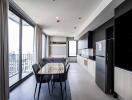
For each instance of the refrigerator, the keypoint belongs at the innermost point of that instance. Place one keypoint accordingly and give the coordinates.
(104, 65)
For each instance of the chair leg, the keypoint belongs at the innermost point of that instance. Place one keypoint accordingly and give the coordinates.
(65, 85)
(52, 86)
(65, 89)
(39, 90)
(61, 90)
(49, 87)
(35, 90)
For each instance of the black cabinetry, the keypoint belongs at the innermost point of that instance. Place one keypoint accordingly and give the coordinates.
(86, 41)
(90, 39)
(123, 41)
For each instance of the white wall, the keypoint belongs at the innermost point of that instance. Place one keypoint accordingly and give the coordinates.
(57, 50)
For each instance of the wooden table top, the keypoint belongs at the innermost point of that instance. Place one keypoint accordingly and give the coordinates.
(52, 68)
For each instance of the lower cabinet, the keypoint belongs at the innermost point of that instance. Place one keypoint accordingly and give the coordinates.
(91, 67)
(123, 83)
(87, 64)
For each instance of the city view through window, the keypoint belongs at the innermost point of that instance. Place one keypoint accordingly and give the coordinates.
(21, 44)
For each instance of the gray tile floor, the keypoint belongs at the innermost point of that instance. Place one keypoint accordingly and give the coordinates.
(26, 91)
(83, 86)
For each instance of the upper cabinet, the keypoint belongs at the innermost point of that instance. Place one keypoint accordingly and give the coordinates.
(90, 39)
(85, 41)
(123, 35)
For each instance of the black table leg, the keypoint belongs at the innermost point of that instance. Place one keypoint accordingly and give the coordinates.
(61, 90)
(39, 87)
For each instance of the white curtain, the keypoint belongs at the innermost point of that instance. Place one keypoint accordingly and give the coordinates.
(4, 80)
(38, 44)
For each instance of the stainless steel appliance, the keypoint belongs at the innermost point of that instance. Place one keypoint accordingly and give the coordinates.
(104, 66)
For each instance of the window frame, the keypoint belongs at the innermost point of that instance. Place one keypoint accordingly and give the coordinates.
(22, 17)
(13, 8)
(69, 50)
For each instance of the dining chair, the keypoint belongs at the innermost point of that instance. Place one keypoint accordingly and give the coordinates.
(61, 77)
(42, 63)
(66, 62)
(40, 78)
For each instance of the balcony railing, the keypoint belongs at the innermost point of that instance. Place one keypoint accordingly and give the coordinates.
(27, 62)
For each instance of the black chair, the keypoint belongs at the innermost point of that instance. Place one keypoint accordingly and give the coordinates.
(40, 78)
(66, 62)
(61, 77)
(42, 63)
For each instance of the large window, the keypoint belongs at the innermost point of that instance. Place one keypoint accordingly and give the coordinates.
(43, 46)
(13, 39)
(27, 48)
(21, 52)
(72, 48)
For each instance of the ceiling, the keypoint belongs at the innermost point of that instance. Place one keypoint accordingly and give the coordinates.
(46, 12)
(102, 17)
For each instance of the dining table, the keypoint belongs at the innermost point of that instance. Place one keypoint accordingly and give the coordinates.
(52, 69)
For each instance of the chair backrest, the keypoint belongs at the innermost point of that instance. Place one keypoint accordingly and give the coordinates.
(66, 62)
(42, 63)
(67, 70)
(36, 68)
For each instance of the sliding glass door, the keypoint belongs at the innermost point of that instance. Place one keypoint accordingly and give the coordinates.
(21, 48)
(27, 48)
(14, 27)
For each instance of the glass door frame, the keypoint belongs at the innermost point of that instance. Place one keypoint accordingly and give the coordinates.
(20, 48)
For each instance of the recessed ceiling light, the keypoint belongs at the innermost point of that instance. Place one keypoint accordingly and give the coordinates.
(79, 18)
(75, 27)
(58, 19)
